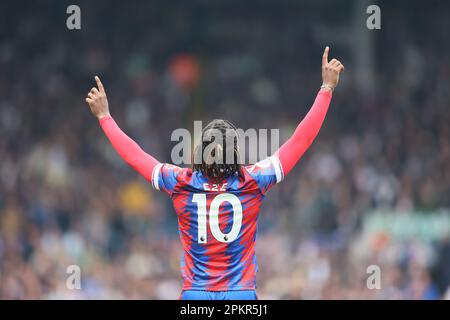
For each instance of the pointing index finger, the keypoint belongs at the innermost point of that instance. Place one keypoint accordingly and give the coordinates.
(325, 55)
(99, 84)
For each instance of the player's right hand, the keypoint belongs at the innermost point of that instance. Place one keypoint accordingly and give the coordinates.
(97, 100)
(330, 70)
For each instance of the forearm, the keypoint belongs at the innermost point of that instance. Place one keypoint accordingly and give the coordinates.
(129, 150)
(293, 149)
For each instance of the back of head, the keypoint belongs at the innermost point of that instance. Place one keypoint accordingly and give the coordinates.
(217, 155)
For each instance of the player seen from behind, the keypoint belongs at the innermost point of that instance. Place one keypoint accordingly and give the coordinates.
(218, 204)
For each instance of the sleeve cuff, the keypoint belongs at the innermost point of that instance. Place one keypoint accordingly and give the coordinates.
(155, 176)
(104, 118)
(279, 174)
(325, 92)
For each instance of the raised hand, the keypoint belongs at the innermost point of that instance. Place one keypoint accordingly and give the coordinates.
(97, 100)
(330, 70)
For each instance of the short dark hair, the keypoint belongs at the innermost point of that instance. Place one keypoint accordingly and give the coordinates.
(210, 168)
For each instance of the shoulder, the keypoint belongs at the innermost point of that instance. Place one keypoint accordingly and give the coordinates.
(268, 166)
(266, 173)
(167, 175)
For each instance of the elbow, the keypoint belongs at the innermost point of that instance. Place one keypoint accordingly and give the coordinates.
(307, 142)
(129, 160)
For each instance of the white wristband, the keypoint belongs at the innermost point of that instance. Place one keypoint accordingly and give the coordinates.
(326, 86)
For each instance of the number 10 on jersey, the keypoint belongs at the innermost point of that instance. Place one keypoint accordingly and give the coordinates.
(200, 200)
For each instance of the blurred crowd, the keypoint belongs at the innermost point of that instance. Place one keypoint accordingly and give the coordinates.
(67, 199)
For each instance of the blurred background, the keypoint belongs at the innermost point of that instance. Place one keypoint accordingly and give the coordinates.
(374, 189)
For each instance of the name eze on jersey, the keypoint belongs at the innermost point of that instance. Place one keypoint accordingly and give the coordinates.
(215, 186)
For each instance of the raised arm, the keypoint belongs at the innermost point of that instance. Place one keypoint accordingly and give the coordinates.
(129, 150)
(294, 148)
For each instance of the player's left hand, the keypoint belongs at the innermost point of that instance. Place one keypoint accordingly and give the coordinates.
(97, 100)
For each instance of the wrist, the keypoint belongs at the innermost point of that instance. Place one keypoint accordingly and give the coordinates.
(103, 115)
(327, 87)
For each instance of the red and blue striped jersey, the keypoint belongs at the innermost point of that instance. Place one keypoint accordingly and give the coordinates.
(217, 222)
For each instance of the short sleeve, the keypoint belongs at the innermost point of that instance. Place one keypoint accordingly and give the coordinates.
(164, 177)
(266, 173)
